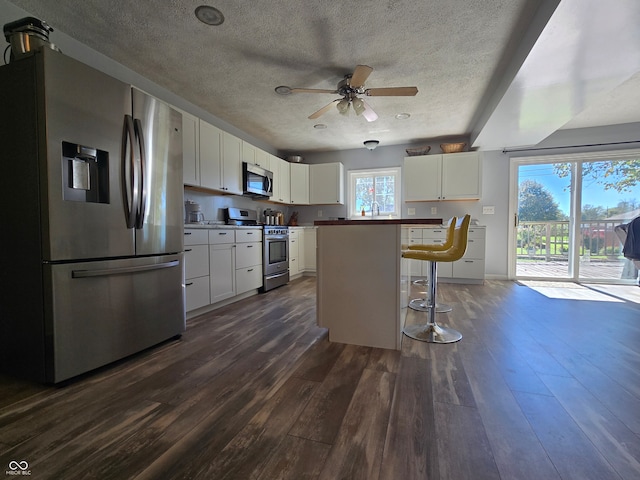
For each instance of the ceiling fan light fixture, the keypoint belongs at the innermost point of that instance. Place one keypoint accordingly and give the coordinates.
(371, 144)
(343, 106)
(358, 106)
(209, 15)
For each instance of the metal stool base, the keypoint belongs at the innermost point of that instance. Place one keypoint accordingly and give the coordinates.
(432, 333)
(420, 305)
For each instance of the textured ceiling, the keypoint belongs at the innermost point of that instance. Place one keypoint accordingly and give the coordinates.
(453, 50)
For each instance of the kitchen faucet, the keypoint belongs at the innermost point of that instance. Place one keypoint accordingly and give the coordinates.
(377, 205)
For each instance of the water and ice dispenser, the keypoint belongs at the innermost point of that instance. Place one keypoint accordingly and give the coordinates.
(86, 173)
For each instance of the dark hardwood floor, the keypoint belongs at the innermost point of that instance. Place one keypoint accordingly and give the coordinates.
(538, 388)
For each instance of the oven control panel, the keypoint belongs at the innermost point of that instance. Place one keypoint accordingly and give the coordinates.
(276, 230)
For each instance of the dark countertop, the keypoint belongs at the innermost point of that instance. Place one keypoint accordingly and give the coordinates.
(393, 221)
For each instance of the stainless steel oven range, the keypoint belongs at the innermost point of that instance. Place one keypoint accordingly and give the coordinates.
(275, 262)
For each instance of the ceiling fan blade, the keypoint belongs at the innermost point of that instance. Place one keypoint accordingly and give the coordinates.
(360, 75)
(312, 90)
(368, 113)
(324, 109)
(392, 92)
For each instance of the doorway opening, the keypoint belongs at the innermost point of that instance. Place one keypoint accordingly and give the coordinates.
(566, 208)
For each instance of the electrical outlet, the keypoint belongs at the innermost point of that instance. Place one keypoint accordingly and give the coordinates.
(434, 210)
(319, 213)
(488, 210)
(411, 211)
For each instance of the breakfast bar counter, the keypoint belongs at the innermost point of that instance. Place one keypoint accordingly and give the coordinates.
(362, 288)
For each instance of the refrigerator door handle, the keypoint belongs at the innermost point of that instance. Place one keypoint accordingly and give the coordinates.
(122, 270)
(129, 172)
(142, 188)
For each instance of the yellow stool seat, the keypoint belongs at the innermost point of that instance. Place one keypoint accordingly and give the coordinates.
(422, 304)
(432, 332)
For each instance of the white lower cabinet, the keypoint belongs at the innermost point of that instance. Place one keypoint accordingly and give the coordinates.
(222, 264)
(294, 260)
(302, 250)
(248, 260)
(471, 265)
(196, 268)
(310, 242)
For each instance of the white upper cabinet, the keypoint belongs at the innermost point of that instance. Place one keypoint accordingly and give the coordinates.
(461, 176)
(190, 149)
(220, 160)
(452, 176)
(262, 159)
(231, 164)
(281, 180)
(326, 183)
(248, 152)
(251, 154)
(422, 178)
(210, 156)
(299, 183)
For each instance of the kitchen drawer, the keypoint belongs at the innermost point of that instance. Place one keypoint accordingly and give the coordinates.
(415, 233)
(221, 235)
(248, 254)
(248, 278)
(475, 232)
(196, 261)
(197, 293)
(193, 236)
(430, 234)
(468, 268)
(252, 235)
(475, 248)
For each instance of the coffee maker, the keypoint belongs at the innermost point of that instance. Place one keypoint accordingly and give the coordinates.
(193, 214)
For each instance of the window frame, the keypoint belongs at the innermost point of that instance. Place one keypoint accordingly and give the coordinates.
(353, 175)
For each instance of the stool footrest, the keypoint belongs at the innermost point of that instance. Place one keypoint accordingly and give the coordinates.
(432, 333)
(421, 305)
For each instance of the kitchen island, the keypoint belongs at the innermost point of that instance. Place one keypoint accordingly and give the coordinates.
(362, 288)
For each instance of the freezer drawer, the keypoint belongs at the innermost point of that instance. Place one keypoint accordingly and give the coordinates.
(106, 310)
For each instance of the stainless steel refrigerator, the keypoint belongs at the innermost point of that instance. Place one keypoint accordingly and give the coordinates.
(92, 225)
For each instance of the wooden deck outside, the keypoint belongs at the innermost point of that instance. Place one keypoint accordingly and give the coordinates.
(593, 270)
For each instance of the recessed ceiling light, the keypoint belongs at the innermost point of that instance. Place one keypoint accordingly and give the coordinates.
(283, 90)
(209, 15)
(319, 126)
(402, 116)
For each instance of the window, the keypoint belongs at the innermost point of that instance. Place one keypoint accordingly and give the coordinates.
(375, 191)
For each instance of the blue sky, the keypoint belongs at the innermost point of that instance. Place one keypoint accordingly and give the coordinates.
(592, 192)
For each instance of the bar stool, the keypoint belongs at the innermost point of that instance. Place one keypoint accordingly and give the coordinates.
(432, 332)
(422, 304)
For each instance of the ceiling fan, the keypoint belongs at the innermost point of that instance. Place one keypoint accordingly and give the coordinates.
(350, 87)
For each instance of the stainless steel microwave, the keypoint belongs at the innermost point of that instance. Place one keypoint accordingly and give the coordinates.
(256, 181)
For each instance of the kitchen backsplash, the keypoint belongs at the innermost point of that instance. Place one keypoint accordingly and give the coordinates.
(213, 206)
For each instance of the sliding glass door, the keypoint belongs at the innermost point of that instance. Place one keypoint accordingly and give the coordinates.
(566, 208)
